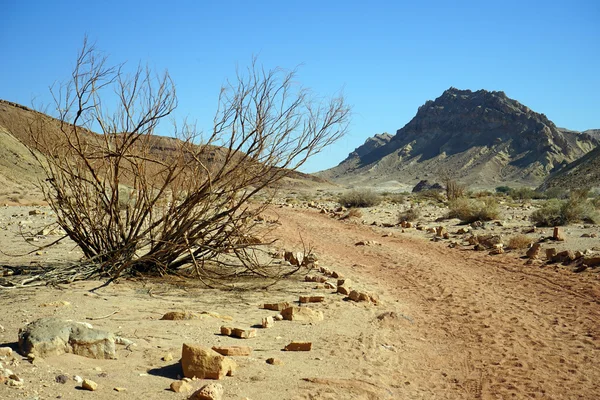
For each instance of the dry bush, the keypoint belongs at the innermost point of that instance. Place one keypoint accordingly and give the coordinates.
(430, 195)
(394, 198)
(410, 215)
(359, 198)
(470, 210)
(135, 202)
(577, 208)
(519, 241)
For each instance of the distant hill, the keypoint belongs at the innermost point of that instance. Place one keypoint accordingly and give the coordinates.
(20, 172)
(582, 173)
(480, 138)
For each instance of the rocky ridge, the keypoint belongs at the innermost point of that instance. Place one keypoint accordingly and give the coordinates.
(479, 137)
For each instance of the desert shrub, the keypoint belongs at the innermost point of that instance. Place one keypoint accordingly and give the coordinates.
(525, 193)
(555, 212)
(550, 214)
(556, 193)
(503, 189)
(519, 241)
(359, 198)
(482, 194)
(470, 210)
(394, 198)
(410, 215)
(454, 190)
(432, 195)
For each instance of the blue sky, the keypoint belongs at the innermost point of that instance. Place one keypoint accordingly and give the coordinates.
(389, 57)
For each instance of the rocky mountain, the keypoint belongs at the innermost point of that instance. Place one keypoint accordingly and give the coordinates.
(582, 173)
(480, 138)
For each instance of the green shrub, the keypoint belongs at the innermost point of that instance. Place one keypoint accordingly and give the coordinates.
(394, 198)
(470, 210)
(555, 212)
(503, 189)
(556, 193)
(525, 193)
(359, 198)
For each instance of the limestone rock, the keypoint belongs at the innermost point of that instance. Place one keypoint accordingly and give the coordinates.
(51, 336)
(204, 363)
(233, 350)
(298, 346)
(311, 299)
(302, 314)
(557, 234)
(179, 316)
(274, 361)
(180, 387)
(276, 306)
(89, 385)
(534, 251)
(268, 322)
(343, 290)
(243, 333)
(212, 391)
(550, 253)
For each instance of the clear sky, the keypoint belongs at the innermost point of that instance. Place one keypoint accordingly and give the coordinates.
(389, 57)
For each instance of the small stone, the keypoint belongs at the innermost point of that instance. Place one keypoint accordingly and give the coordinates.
(6, 352)
(268, 322)
(167, 357)
(336, 275)
(89, 385)
(61, 379)
(180, 387)
(278, 317)
(344, 282)
(311, 299)
(119, 389)
(550, 253)
(276, 306)
(557, 234)
(226, 331)
(302, 314)
(179, 316)
(534, 251)
(233, 350)
(343, 290)
(243, 333)
(274, 361)
(212, 391)
(298, 346)
(329, 285)
(78, 379)
(440, 231)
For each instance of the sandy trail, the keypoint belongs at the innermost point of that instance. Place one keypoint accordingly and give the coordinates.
(471, 325)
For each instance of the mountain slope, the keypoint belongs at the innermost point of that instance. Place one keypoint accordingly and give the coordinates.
(477, 137)
(582, 173)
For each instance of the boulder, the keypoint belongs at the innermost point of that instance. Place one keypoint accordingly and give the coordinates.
(205, 363)
(534, 251)
(51, 336)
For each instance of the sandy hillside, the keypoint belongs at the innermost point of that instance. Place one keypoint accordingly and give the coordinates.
(452, 324)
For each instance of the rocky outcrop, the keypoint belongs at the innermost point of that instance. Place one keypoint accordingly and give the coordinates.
(480, 136)
(582, 173)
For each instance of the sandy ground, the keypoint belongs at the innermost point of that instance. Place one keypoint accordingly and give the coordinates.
(465, 325)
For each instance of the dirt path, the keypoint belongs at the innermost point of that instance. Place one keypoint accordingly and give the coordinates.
(470, 325)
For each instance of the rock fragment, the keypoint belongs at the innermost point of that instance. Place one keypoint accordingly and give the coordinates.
(212, 391)
(89, 385)
(180, 387)
(534, 251)
(276, 306)
(274, 361)
(233, 350)
(298, 346)
(204, 363)
(268, 322)
(302, 314)
(311, 299)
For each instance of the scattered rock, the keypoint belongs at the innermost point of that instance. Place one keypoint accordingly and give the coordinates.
(61, 379)
(564, 257)
(179, 316)
(550, 253)
(268, 322)
(336, 275)
(312, 278)
(51, 336)
(212, 391)
(276, 306)
(302, 314)
(591, 261)
(441, 231)
(6, 352)
(298, 346)
(278, 317)
(343, 290)
(243, 333)
(226, 331)
(557, 234)
(204, 363)
(329, 285)
(180, 387)
(89, 385)
(233, 350)
(534, 251)
(274, 361)
(311, 299)
(167, 357)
